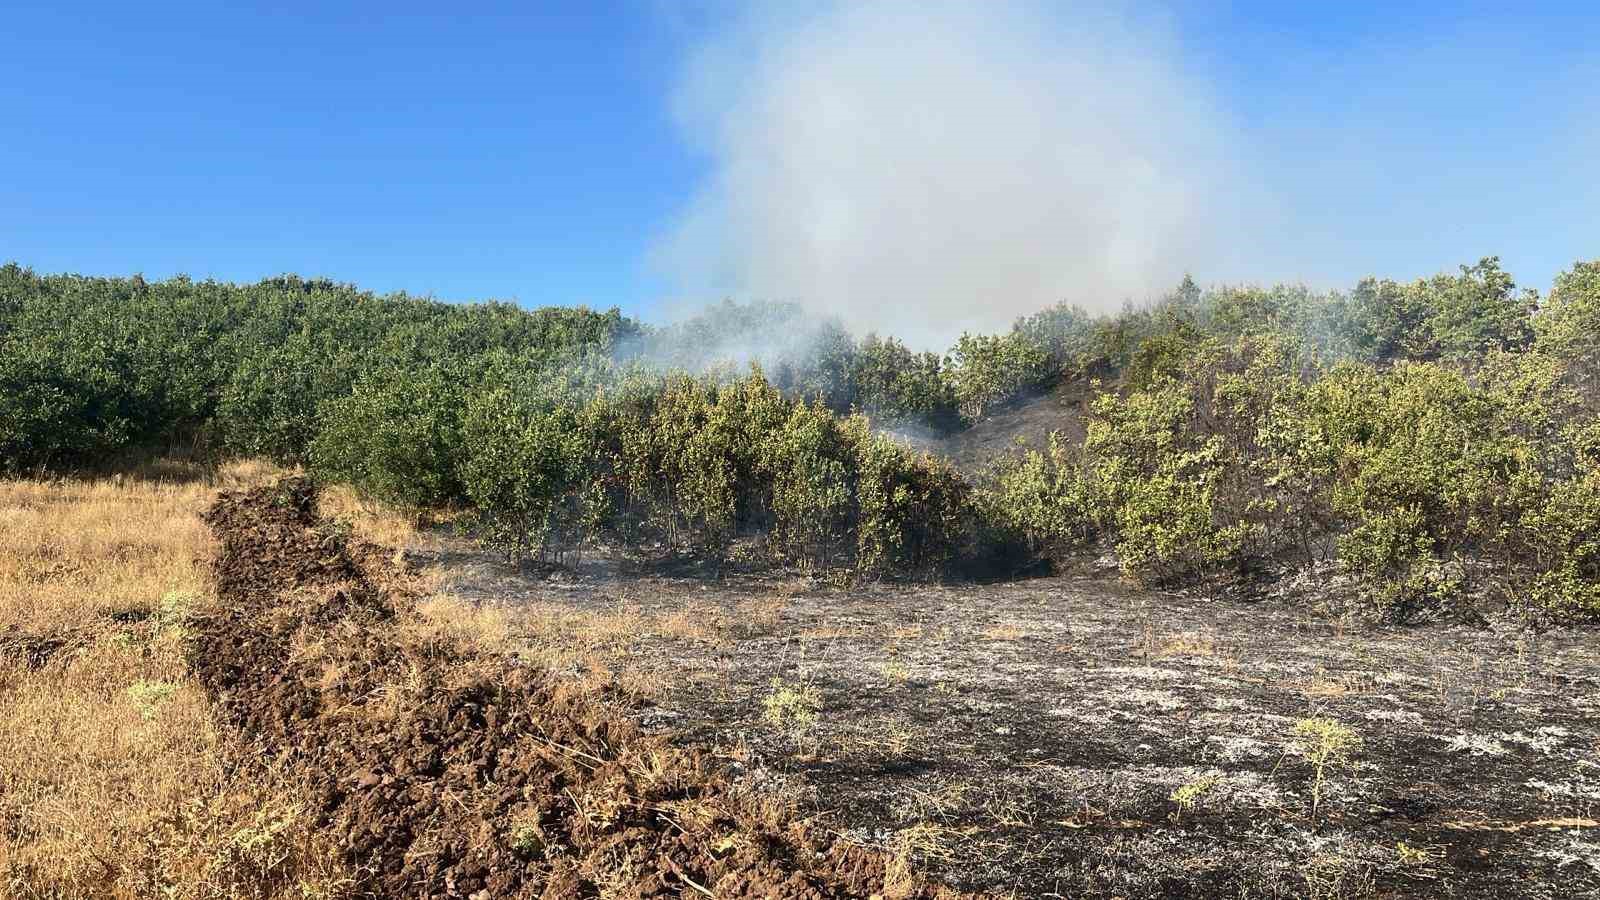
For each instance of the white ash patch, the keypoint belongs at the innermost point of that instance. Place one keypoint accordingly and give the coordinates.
(1235, 748)
(1237, 722)
(1578, 790)
(1575, 853)
(1475, 744)
(1399, 678)
(1546, 740)
(1394, 716)
(1251, 789)
(1298, 667)
(1146, 673)
(1097, 716)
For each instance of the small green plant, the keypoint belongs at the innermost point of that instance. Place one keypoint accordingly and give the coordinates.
(895, 671)
(1328, 746)
(792, 708)
(527, 836)
(1190, 793)
(1412, 856)
(173, 609)
(148, 696)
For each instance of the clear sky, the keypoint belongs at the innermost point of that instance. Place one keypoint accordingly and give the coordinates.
(624, 153)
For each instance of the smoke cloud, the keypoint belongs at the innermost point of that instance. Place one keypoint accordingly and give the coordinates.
(926, 168)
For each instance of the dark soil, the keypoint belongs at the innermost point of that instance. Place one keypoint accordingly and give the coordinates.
(32, 650)
(445, 772)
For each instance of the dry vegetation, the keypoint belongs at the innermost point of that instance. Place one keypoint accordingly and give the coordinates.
(116, 782)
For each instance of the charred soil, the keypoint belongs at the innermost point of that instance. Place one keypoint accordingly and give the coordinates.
(1076, 737)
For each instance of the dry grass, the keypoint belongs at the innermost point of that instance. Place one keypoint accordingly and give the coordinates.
(1004, 631)
(116, 781)
(371, 521)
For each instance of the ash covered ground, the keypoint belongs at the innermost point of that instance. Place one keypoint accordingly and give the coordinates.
(1071, 736)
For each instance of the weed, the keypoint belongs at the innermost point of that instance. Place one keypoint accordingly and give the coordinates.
(148, 696)
(898, 737)
(792, 708)
(1327, 746)
(895, 671)
(1412, 856)
(527, 836)
(1190, 793)
(925, 840)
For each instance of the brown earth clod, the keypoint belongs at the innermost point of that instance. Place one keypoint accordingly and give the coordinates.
(445, 771)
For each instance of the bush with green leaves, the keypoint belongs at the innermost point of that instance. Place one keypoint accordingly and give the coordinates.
(812, 466)
(1192, 469)
(1434, 436)
(896, 386)
(91, 368)
(1477, 311)
(524, 471)
(1159, 476)
(988, 370)
(1067, 334)
(1436, 471)
(1561, 535)
(1568, 328)
(1048, 497)
(397, 436)
(915, 512)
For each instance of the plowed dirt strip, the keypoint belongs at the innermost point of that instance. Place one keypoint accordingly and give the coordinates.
(445, 772)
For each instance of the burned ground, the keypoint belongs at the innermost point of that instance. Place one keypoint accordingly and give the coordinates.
(445, 771)
(1073, 737)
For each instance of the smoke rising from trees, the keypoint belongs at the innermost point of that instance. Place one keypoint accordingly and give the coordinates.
(923, 169)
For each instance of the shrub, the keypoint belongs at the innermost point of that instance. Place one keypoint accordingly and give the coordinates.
(1568, 327)
(1165, 355)
(1477, 311)
(397, 437)
(1066, 333)
(1195, 468)
(1160, 478)
(1562, 535)
(697, 446)
(812, 468)
(897, 387)
(915, 512)
(523, 471)
(988, 370)
(1047, 496)
(1391, 322)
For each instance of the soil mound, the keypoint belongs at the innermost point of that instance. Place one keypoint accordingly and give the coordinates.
(446, 772)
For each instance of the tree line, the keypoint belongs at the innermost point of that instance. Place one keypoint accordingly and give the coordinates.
(1429, 440)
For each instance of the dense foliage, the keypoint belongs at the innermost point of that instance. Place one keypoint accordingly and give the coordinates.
(1432, 440)
(551, 426)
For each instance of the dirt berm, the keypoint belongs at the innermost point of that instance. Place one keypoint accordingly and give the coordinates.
(442, 771)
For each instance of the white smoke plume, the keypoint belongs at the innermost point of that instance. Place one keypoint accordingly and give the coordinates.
(926, 168)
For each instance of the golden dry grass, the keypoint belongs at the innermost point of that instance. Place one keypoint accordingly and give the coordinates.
(116, 781)
(372, 521)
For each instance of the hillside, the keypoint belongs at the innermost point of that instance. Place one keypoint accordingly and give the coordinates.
(1025, 422)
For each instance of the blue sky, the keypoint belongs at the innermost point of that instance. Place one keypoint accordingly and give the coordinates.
(546, 152)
